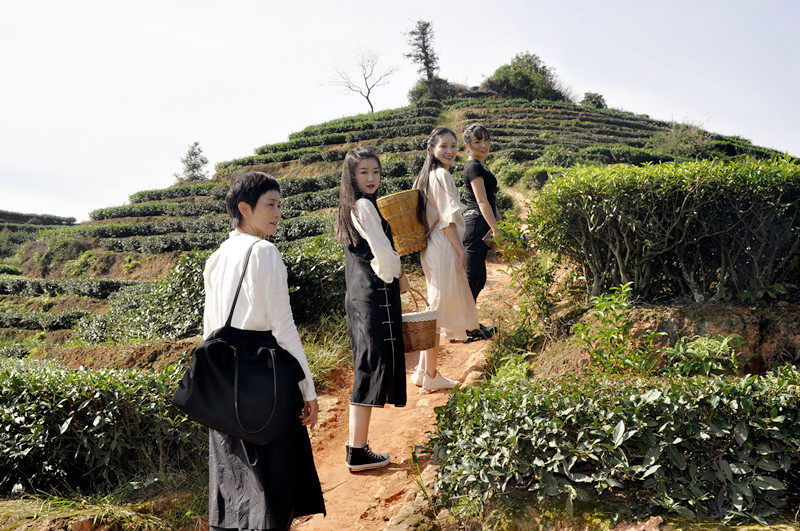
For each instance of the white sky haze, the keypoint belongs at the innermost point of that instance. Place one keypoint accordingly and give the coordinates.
(100, 99)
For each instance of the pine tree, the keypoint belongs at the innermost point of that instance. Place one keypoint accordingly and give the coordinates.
(193, 164)
(421, 41)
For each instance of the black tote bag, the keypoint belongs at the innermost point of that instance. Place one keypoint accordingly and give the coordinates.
(242, 383)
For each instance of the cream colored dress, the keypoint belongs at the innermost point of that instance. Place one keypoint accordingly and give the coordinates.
(448, 288)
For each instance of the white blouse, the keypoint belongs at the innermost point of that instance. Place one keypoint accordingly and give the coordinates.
(263, 302)
(444, 204)
(385, 262)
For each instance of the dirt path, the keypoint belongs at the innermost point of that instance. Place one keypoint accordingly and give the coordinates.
(374, 499)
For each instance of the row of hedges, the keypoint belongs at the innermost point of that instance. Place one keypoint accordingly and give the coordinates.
(159, 209)
(90, 430)
(374, 120)
(707, 230)
(289, 229)
(42, 320)
(551, 118)
(213, 189)
(724, 448)
(173, 308)
(97, 288)
(151, 228)
(227, 168)
(401, 127)
(164, 243)
(25, 228)
(34, 219)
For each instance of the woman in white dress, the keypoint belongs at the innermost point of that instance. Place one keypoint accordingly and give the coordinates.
(444, 258)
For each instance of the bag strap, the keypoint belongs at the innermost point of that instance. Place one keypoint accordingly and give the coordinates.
(236, 391)
(241, 279)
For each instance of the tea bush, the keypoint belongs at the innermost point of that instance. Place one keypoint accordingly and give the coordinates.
(150, 228)
(34, 219)
(371, 120)
(97, 288)
(721, 448)
(227, 168)
(89, 430)
(216, 190)
(173, 307)
(42, 320)
(707, 229)
(159, 209)
(164, 243)
(330, 155)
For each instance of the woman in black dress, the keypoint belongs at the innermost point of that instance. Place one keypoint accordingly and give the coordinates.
(372, 303)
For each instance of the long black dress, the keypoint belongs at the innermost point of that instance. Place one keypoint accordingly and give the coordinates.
(374, 320)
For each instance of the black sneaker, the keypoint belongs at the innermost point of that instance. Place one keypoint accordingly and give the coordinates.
(359, 459)
(484, 332)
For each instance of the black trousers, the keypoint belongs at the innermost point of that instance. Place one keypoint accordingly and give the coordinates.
(476, 251)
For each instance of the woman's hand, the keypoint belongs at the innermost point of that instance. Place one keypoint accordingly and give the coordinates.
(310, 412)
(403, 279)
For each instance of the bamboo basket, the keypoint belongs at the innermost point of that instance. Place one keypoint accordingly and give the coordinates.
(400, 210)
(419, 328)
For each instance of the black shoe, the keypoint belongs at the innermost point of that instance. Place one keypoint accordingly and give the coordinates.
(359, 459)
(484, 332)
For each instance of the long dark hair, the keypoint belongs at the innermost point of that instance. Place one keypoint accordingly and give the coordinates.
(431, 163)
(349, 193)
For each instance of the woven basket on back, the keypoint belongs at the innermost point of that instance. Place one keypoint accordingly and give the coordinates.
(419, 328)
(400, 210)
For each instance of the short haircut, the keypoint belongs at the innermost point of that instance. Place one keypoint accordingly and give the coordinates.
(478, 130)
(248, 187)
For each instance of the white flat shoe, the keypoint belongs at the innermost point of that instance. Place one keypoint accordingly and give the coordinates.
(416, 378)
(437, 382)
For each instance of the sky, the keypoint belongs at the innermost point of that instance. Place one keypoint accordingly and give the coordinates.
(100, 99)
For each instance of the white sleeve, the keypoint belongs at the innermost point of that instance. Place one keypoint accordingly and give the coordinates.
(271, 283)
(386, 261)
(444, 194)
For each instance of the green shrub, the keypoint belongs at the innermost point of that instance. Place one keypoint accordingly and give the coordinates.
(703, 355)
(606, 336)
(85, 263)
(303, 227)
(160, 209)
(164, 244)
(42, 320)
(721, 448)
(6, 269)
(622, 155)
(298, 185)
(173, 307)
(97, 288)
(89, 430)
(34, 219)
(213, 189)
(168, 309)
(507, 171)
(658, 226)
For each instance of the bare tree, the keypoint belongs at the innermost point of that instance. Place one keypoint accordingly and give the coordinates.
(368, 78)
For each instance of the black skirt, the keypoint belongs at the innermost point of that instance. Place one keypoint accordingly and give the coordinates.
(262, 487)
(374, 321)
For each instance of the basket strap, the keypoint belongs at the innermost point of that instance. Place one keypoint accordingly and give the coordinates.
(413, 291)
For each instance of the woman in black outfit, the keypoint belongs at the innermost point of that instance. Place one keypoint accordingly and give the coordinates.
(480, 186)
(259, 486)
